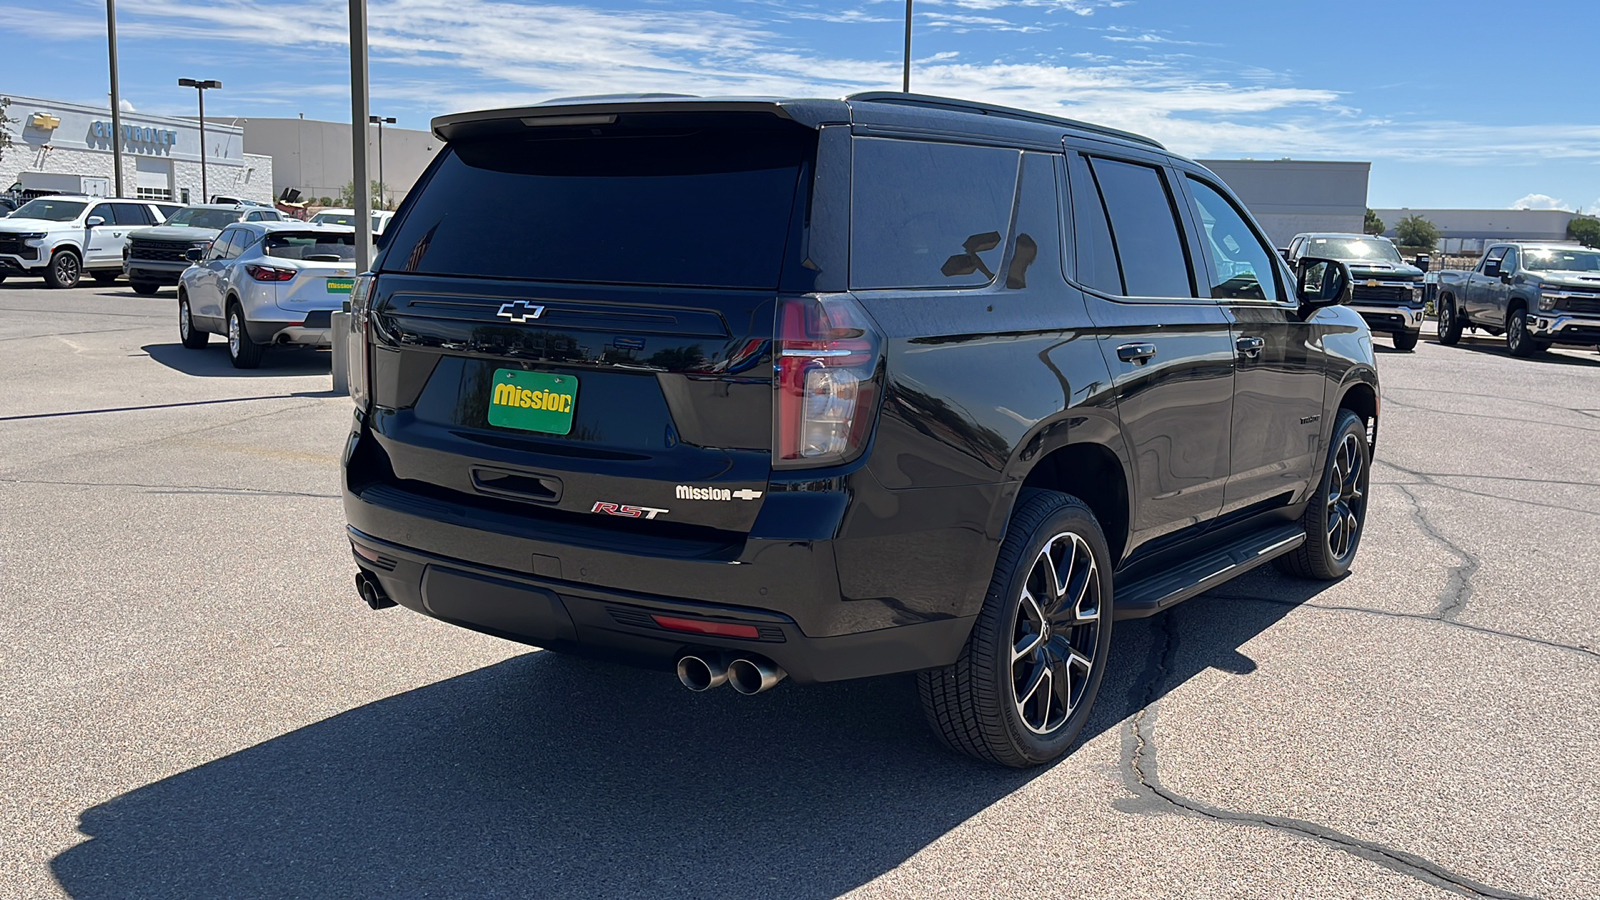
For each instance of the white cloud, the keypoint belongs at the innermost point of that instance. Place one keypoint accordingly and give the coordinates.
(125, 106)
(436, 56)
(1539, 201)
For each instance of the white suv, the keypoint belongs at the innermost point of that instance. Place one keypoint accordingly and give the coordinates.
(61, 238)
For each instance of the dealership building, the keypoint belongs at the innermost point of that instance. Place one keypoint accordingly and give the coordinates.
(314, 157)
(1290, 196)
(67, 147)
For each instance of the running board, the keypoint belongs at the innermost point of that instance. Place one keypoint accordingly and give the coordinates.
(1157, 592)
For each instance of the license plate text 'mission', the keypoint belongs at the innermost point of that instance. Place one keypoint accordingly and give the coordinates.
(533, 401)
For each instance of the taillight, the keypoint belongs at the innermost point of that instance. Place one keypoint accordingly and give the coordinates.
(827, 360)
(359, 359)
(270, 273)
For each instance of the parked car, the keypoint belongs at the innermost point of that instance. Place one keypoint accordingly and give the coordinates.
(265, 283)
(155, 257)
(61, 238)
(1535, 294)
(755, 389)
(347, 217)
(1387, 291)
(7, 205)
(224, 200)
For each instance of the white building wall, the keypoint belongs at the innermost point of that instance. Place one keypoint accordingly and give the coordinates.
(80, 144)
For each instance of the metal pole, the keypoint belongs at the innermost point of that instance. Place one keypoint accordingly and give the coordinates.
(205, 191)
(383, 187)
(360, 112)
(905, 79)
(116, 96)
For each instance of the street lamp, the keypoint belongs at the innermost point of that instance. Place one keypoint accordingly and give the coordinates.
(382, 186)
(200, 88)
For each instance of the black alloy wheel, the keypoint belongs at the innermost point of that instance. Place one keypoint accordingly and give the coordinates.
(1021, 690)
(64, 271)
(1336, 511)
(1450, 323)
(192, 337)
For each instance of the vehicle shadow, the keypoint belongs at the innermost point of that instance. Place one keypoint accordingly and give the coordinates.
(211, 361)
(550, 776)
(1567, 358)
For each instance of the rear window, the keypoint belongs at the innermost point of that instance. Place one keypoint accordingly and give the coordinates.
(312, 247)
(700, 207)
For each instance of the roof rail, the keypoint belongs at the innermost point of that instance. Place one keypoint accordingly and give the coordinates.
(989, 109)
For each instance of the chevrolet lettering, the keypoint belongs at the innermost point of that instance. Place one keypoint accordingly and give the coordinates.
(936, 387)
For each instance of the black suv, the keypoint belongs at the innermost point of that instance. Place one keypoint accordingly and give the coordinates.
(831, 389)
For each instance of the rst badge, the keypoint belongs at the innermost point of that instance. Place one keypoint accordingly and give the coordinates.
(631, 512)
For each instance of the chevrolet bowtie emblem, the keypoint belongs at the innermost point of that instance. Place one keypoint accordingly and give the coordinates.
(520, 311)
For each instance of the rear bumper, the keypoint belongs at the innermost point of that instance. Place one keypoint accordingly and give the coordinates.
(617, 625)
(1565, 329)
(1390, 318)
(314, 330)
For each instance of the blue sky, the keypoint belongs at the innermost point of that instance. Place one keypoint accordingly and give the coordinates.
(1459, 104)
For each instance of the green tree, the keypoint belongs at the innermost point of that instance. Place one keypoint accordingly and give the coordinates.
(1372, 224)
(1585, 230)
(5, 123)
(347, 195)
(1416, 233)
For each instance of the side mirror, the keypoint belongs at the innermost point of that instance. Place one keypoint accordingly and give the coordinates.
(1423, 262)
(194, 254)
(92, 221)
(1491, 268)
(1284, 252)
(1322, 282)
(968, 262)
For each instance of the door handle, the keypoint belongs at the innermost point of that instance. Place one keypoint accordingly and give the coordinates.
(1250, 346)
(1137, 354)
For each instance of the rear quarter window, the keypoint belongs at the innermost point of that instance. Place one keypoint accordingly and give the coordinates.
(1144, 227)
(926, 214)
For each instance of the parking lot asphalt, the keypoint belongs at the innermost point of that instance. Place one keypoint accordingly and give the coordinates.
(193, 702)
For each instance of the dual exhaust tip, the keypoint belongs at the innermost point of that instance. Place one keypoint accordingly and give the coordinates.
(372, 592)
(747, 675)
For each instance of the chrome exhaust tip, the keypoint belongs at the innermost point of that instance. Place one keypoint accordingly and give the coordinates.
(372, 592)
(700, 674)
(752, 676)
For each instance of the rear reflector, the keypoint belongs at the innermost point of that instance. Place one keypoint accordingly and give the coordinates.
(364, 552)
(700, 626)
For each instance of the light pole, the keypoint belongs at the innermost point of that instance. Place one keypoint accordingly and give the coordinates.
(200, 88)
(116, 94)
(905, 77)
(383, 187)
(360, 111)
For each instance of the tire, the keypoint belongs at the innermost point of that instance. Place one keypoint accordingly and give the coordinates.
(1406, 340)
(242, 352)
(1519, 342)
(972, 704)
(192, 337)
(104, 277)
(147, 288)
(1450, 323)
(1341, 495)
(65, 270)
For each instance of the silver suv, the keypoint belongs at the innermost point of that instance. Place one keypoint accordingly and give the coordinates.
(263, 283)
(61, 238)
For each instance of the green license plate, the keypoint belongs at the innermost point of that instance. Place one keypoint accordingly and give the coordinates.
(341, 285)
(533, 401)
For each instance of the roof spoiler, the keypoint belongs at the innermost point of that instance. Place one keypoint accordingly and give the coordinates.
(604, 109)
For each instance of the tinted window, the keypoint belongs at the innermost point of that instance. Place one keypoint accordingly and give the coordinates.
(130, 214)
(1097, 256)
(311, 246)
(1243, 267)
(1495, 253)
(1509, 263)
(224, 248)
(928, 215)
(1144, 228)
(702, 206)
(102, 210)
(197, 217)
(1036, 249)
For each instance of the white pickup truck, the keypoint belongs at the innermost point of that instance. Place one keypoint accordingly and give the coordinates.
(61, 238)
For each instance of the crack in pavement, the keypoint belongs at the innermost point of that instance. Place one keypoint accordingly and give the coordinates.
(1448, 412)
(1519, 401)
(29, 337)
(1142, 777)
(1458, 587)
(1580, 649)
(176, 488)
